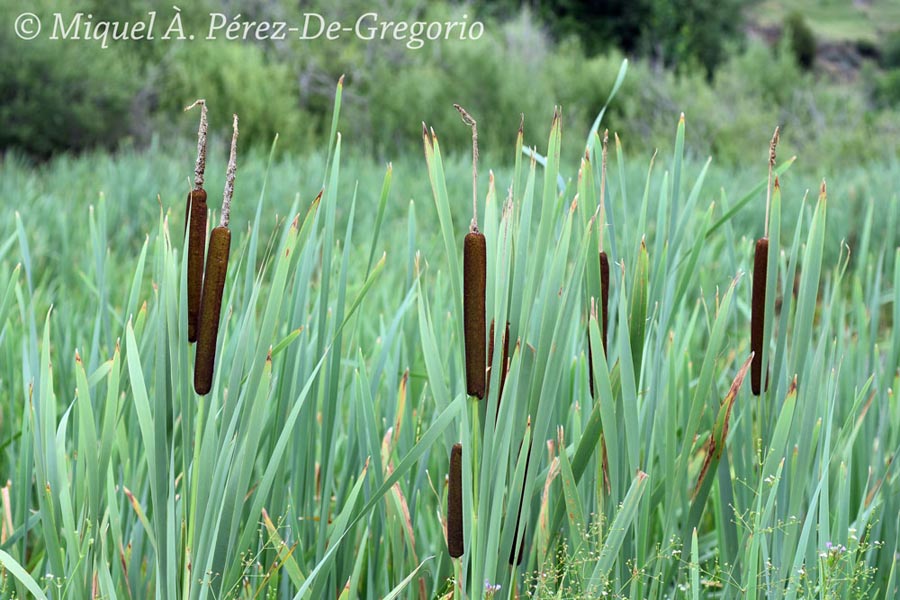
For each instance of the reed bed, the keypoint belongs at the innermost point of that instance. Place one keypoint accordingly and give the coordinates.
(314, 466)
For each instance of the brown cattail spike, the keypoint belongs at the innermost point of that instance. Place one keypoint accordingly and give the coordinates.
(474, 286)
(211, 308)
(195, 222)
(455, 542)
(214, 282)
(757, 317)
(195, 226)
(604, 296)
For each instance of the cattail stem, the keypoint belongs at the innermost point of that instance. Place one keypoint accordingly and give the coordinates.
(214, 283)
(200, 165)
(455, 538)
(603, 159)
(229, 175)
(772, 146)
(468, 120)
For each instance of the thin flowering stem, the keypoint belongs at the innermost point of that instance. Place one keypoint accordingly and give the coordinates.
(200, 166)
(602, 209)
(772, 145)
(229, 175)
(468, 120)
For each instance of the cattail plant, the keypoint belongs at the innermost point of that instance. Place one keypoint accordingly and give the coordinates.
(455, 541)
(758, 304)
(195, 227)
(604, 266)
(474, 282)
(604, 259)
(214, 282)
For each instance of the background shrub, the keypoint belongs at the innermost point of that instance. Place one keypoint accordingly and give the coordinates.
(802, 40)
(52, 101)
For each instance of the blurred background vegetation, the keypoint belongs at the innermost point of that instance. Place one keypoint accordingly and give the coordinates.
(828, 71)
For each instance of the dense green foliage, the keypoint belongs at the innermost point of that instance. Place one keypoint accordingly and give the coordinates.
(52, 101)
(316, 465)
(683, 59)
(801, 40)
(680, 34)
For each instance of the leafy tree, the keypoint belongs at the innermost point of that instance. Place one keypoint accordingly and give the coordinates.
(802, 40)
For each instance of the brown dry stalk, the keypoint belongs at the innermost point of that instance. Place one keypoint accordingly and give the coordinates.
(715, 445)
(772, 147)
(603, 160)
(214, 283)
(474, 288)
(455, 541)
(229, 175)
(200, 165)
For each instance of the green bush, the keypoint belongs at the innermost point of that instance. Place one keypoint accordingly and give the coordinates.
(890, 51)
(53, 100)
(887, 88)
(802, 39)
(235, 78)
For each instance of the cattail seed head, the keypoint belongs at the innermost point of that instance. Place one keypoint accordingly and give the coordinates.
(474, 286)
(211, 308)
(604, 295)
(195, 225)
(604, 316)
(195, 228)
(757, 316)
(214, 281)
(455, 542)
